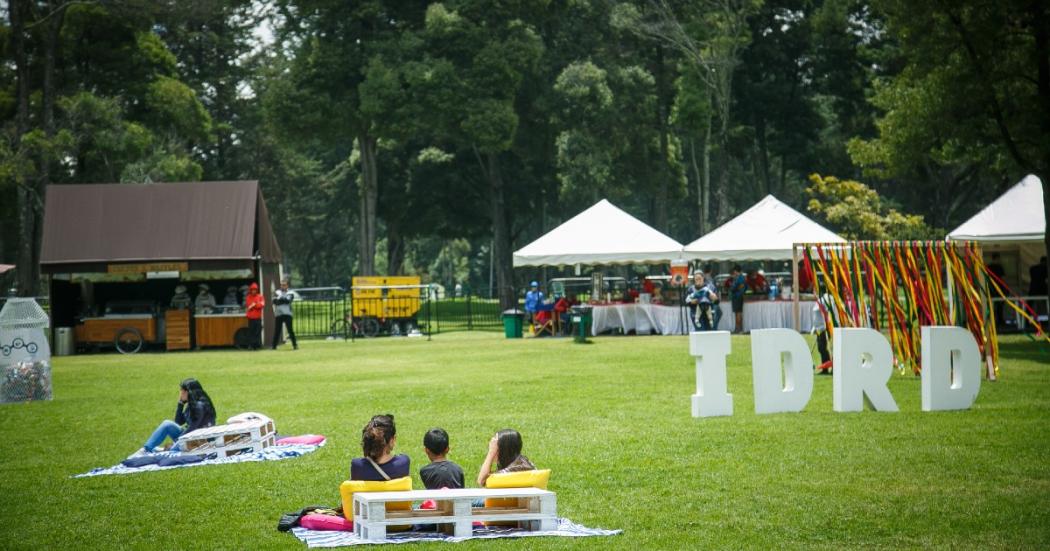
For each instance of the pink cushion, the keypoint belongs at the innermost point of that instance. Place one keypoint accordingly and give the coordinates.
(326, 522)
(304, 439)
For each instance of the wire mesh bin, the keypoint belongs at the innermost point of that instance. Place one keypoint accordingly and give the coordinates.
(26, 381)
(25, 355)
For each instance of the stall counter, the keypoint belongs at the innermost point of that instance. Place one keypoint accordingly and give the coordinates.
(218, 329)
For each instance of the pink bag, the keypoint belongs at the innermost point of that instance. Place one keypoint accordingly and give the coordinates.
(326, 522)
(311, 439)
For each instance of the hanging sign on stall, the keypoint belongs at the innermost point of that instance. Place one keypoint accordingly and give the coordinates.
(147, 267)
(679, 273)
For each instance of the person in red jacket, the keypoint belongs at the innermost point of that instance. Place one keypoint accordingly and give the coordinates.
(253, 305)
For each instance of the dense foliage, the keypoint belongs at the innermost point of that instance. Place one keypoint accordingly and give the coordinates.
(437, 137)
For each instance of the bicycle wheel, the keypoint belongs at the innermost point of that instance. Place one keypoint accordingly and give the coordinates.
(340, 328)
(128, 340)
(369, 327)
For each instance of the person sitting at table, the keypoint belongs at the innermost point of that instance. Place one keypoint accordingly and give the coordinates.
(543, 314)
(756, 282)
(561, 309)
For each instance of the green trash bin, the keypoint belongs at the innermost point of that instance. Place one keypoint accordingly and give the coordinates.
(581, 322)
(513, 321)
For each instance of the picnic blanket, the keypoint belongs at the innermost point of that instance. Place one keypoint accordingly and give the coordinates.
(273, 453)
(566, 528)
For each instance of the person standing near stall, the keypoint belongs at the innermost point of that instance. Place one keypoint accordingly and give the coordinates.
(254, 304)
(736, 292)
(533, 298)
(282, 301)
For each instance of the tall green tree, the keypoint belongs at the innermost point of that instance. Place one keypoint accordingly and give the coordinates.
(983, 66)
(478, 58)
(339, 90)
(96, 95)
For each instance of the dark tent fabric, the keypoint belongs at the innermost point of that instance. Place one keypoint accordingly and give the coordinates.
(188, 221)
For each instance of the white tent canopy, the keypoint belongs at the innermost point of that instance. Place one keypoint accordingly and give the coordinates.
(765, 231)
(602, 234)
(1013, 226)
(1016, 215)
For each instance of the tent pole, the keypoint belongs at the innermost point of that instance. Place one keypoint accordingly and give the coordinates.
(796, 315)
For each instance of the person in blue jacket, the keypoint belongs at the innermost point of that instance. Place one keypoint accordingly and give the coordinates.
(194, 411)
(533, 298)
(736, 292)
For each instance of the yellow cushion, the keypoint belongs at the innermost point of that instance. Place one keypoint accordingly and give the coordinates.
(349, 487)
(522, 479)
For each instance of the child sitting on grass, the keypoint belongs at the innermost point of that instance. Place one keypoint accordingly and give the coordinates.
(505, 451)
(440, 473)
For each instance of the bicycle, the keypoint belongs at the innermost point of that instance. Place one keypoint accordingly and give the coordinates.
(362, 327)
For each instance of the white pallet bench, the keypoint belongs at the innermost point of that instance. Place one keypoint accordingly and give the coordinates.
(536, 508)
(231, 439)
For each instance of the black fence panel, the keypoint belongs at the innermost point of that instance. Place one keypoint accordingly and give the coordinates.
(467, 313)
(320, 312)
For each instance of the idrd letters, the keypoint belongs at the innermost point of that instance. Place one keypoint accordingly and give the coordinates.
(782, 370)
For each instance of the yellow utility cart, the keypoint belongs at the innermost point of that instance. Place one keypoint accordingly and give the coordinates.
(385, 304)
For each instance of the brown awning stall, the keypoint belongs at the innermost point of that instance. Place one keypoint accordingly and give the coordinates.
(190, 227)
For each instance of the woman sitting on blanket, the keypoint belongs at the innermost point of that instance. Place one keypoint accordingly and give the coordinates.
(505, 450)
(194, 410)
(378, 439)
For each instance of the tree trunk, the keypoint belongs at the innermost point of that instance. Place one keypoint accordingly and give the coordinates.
(16, 13)
(662, 172)
(369, 197)
(500, 234)
(763, 154)
(705, 225)
(395, 248)
(701, 219)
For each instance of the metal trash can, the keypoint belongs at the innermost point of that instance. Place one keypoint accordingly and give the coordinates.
(582, 316)
(65, 345)
(513, 322)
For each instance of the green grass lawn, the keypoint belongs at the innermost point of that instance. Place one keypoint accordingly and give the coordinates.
(612, 419)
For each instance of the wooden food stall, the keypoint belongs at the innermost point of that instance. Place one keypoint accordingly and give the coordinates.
(106, 246)
(219, 329)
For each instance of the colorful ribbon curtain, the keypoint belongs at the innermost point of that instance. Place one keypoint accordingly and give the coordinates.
(899, 286)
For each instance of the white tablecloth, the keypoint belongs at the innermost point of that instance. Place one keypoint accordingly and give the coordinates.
(674, 320)
(768, 314)
(640, 318)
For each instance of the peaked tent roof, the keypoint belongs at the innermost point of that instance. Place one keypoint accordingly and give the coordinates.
(194, 221)
(602, 234)
(1016, 215)
(765, 231)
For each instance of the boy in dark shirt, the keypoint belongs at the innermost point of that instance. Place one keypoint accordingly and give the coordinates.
(440, 473)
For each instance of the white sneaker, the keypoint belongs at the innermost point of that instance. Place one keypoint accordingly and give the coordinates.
(140, 453)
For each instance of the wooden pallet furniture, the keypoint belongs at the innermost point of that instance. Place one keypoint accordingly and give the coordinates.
(533, 509)
(177, 329)
(230, 439)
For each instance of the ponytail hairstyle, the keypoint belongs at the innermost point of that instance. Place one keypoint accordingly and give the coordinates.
(195, 393)
(509, 443)
(377, 435)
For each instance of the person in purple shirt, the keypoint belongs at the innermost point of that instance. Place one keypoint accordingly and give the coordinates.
(378, 439)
